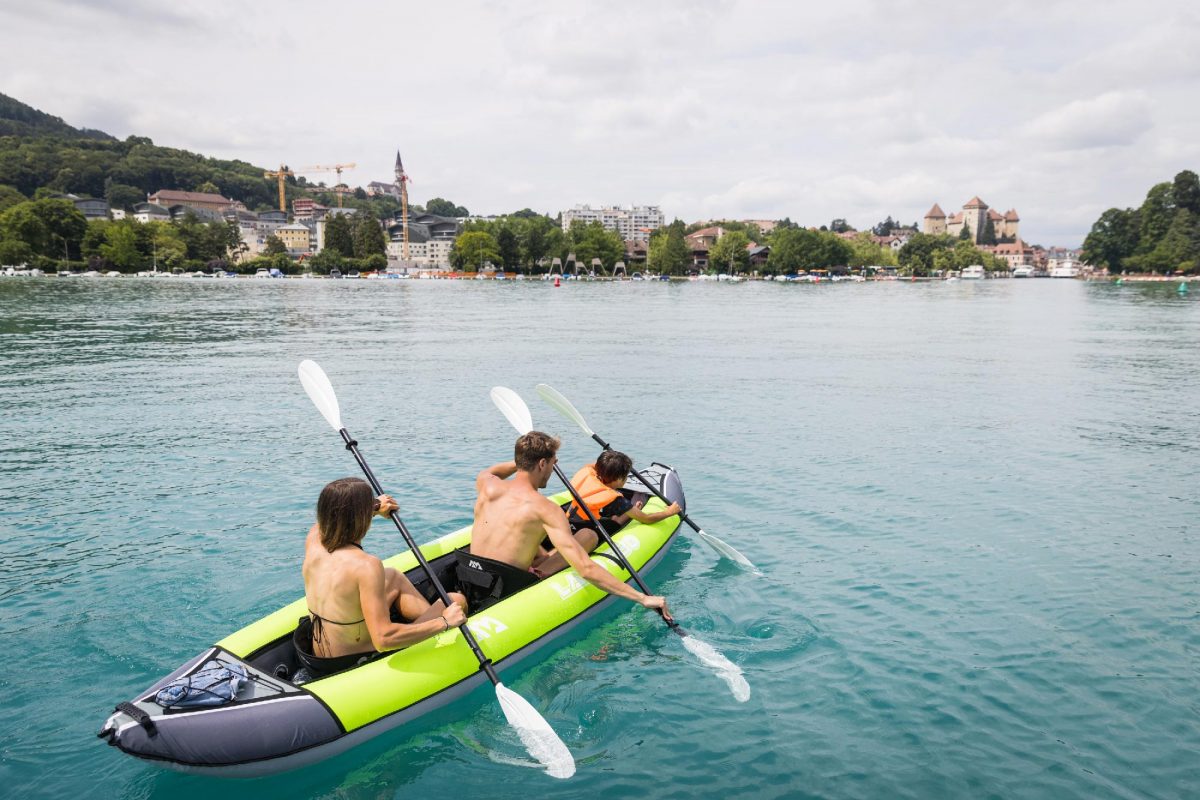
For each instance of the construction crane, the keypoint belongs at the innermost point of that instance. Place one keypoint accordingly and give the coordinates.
(331, 168)
(281, 175)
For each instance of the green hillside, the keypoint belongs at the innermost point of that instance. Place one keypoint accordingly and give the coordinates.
(41, 152)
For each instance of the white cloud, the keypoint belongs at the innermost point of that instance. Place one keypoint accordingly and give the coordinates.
(720, 108)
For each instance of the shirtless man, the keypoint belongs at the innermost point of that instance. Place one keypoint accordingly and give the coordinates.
(512, 518)
(351, 594)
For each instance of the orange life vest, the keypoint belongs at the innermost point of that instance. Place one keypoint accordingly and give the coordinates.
(593, 491)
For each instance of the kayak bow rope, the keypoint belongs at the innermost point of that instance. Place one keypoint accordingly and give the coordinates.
(517, 413)
(536, 734)
(562, 405)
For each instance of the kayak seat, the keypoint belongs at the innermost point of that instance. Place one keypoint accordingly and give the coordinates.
(318, 667)
(486, 581)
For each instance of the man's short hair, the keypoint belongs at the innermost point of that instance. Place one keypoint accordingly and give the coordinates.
(532, 448)
(344, 512)
(612, 465)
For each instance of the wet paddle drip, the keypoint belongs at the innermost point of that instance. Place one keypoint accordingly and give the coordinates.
(537, 736)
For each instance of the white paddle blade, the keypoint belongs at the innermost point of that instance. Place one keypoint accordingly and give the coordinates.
(513, 408)
(726, 670)
(320, 391)
(562, 405)
(727, 550)
(536, 734)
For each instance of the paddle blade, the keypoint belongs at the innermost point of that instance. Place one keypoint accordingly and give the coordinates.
(513, 408)
(563, 406)
(536, 734)
(320, 391)
(727, 550)
(726, 670)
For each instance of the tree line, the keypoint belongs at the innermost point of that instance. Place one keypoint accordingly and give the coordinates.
(1161, 235)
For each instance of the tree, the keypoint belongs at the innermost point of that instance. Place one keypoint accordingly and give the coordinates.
(989, 233)
(123, 196)
(964, 233)
(14, 253)
(360, 193)
(338, 236)
(886, 227)
(668, 252)
(1155, 216)
(1186, 191)
(1178, 249)
(9, 197)
(864, 252)
(120, 247)
(444, 208)
(591, 240)
(208, 187)
(274, 246)
(917, 254)
(1113, 239)
(472, 249)
(730, 253)
(508, 247)
(369, 238)
(840, 225)
(47, 225)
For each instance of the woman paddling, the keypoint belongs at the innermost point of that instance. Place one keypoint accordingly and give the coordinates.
(351, 595)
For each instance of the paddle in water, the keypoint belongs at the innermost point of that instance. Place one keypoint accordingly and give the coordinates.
(563, 406)
(536, 734)
(517, 413)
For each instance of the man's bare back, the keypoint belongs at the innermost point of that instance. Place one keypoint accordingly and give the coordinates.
(512, 518)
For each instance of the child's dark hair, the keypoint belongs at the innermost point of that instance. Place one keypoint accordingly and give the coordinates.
(612, 465)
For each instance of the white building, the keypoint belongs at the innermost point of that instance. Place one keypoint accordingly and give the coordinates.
(635, 222)
(433, 254)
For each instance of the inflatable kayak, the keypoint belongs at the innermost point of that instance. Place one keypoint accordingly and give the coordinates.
(268, 719)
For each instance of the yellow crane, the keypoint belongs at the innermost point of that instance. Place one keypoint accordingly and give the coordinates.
(331, 168)
(281, 175)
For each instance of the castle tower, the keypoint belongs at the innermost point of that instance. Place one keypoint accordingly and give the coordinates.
(974, 217)
(402, 185)
(1011, 224)
(935, 221)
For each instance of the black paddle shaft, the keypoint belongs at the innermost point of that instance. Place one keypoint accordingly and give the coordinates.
(641, 477)
(485, 663)
(613, 546)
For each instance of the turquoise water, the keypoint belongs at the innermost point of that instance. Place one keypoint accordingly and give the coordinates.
(975, 505)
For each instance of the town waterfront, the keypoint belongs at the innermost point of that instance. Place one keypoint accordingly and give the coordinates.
(975, 505)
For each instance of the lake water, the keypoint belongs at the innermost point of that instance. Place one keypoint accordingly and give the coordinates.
(975, 504)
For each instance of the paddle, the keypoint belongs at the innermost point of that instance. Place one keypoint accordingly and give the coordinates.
(563, 406)
(536, 734)
(517, 413)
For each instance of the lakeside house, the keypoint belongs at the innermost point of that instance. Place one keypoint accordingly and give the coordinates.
(195, 200)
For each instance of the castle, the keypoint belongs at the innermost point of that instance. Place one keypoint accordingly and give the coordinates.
(974, 216)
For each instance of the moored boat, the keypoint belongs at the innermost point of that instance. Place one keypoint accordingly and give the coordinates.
(278, 721)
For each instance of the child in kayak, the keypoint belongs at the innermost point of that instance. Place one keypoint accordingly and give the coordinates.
(599, 485)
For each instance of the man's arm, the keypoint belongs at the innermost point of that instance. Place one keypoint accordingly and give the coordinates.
(385, 634)
(555, 522)
(503, 471)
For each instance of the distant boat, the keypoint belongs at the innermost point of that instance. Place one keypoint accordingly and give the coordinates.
(1023, 272)
(973, 273)
(1067, 270)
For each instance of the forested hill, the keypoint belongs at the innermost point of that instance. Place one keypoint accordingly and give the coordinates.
(41, 152)
(18, 119)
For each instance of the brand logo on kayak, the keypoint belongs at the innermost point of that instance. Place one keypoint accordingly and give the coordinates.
(483, 627)
(628, 544)
(568, 585)
(474, 565)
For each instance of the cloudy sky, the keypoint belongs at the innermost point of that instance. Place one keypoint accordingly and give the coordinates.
(708, 108)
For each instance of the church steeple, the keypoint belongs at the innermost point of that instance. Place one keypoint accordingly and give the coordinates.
(399, 168)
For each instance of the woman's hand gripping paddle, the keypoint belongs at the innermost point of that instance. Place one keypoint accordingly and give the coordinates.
(517, 413)
(563, 406)
(538, 737)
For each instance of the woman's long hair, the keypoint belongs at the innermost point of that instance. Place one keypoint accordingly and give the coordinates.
(344, 512)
